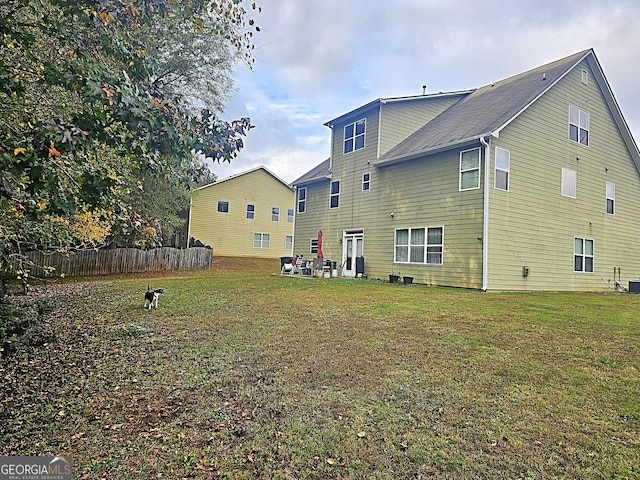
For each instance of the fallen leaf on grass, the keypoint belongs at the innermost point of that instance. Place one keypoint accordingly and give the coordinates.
(361, 434)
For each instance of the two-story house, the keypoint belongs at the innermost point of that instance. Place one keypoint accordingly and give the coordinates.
(529, 183)
(250, 214)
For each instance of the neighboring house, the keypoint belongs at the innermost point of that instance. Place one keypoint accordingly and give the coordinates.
(530, 183)
(250, 214)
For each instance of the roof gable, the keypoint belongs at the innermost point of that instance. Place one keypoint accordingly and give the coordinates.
(483, 112)
(232, 177)
(614, 108)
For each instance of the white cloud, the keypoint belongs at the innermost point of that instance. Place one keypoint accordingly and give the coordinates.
(317, 59)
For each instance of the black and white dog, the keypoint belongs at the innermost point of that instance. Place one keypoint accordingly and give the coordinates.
(152, 296)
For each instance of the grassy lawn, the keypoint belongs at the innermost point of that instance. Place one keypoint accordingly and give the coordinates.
(245, 374)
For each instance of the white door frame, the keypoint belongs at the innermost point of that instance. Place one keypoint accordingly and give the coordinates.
(352, 247)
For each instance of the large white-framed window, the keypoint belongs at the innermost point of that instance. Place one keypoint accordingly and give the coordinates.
(503, 165)
(275, 214)
(302, 199)
(261, 240)
(354, 136)
(334, 201)
(611, 197)
(569, 182)
(290, 215)
(583, 255)
(223, 206)
(579, 123)
(419, 245)
(470, 169)
(313, 246)
(288, 242)
(251, 211)
(366, 181)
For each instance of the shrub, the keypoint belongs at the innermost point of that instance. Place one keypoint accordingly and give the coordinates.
(15, 321)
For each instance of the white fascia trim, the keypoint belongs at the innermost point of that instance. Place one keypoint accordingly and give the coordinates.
(356, 113)
(379, 129)
(485, 219)
(331, 147)
(255, 169)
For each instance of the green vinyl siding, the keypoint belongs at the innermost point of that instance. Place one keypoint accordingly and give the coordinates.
(426, 194)
(313, 219)
(534, 225)
(530, 223)
(422, 192)
(399, 120)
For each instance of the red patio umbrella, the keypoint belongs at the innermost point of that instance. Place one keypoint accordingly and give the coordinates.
(320, 255)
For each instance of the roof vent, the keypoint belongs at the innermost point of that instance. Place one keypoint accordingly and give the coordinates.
(424, 89)
(544, 76)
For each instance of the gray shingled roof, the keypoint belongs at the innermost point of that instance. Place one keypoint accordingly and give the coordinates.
(358, 112)
(484, 111)
(319, 172)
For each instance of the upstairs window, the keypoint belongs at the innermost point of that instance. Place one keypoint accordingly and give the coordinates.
(503, 163)
(579, 126)
(223, 206)
(251, 211)
(335, 194)
(569, 180)
(275, 214)
(354, 136)
(611, 197)
(470, 169)
(290, 215)
(366, 181)
(582, 255)
(302, 199)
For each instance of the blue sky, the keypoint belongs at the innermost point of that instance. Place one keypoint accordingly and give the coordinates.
(318, 59)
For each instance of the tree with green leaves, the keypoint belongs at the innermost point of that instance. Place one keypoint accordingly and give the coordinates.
(107, 106)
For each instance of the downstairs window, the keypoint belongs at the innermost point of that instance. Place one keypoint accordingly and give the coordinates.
(419, 245)
(583, 255)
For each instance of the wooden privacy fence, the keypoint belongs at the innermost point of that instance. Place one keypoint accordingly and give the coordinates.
(120, 260)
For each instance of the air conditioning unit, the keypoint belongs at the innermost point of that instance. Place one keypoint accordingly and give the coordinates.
(634, 286)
